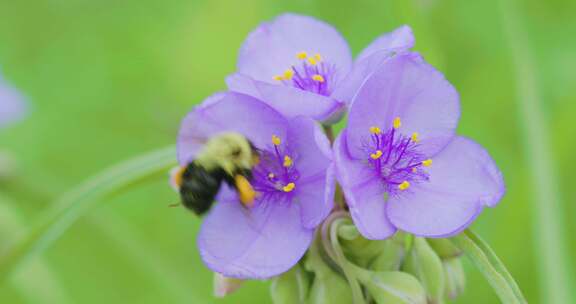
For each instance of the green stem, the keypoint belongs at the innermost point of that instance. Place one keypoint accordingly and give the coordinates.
(554, 264)
(77, 202)
(357, 295)
(490, 266)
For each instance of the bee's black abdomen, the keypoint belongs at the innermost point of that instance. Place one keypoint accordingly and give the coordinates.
(199, 187)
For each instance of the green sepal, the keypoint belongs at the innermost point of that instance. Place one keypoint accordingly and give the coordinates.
(423, 262)
(444, 248)
(454, 276)
(392, 287)
(290, 287)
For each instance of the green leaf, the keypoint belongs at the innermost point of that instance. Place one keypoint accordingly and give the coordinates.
(424, 263)
(490, 266)
(291, 287)
(392, 287)
(74, 204)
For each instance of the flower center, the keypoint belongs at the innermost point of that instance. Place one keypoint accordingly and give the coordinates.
(275, 175)
(396, 158)
(310, 74)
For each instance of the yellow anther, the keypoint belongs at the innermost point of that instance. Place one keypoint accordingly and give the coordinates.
(271, 175)
(404, 185)
(278, 77)
(288, 74)
(287, 161)
(318, 78)
(397, 123)
(317, 57)
(302, 55)
(276, 140)
(375, 130)
(414, 170)
(427, 163)
(312, 61)
(289, 187)
(376, 155)
(415, 137)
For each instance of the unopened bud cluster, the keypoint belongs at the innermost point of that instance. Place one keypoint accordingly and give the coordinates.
(401, 269)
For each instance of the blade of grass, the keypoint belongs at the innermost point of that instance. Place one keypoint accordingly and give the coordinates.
(77, 202)
(490, 266)
(36, 283)
(551, 248)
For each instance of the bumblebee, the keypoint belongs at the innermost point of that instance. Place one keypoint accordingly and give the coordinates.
(227, 157)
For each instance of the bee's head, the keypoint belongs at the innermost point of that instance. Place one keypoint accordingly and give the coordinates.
(231, 152)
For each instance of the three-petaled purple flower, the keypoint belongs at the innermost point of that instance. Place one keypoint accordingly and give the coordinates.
(294, 178)
(302, 66)
(12, 107)
(399, 161)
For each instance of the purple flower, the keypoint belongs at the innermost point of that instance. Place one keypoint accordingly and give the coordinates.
(302, 66)
(399, 162)
(294, 178)
(12, 107)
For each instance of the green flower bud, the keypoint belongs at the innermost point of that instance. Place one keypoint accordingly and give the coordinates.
(291, 287)
(426, 265)
(328, 287)
(392, 253)
(454, 276)
(357, 249)
(444, 248)
(385, 255)
(392, 287)
(224, 286)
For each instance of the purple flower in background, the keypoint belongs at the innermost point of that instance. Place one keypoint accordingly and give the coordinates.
(294, 178)
(302, 66)
(399, 162)
(12, 106)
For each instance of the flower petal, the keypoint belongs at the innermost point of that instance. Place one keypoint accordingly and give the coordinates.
(289, 101)
(347, 89)
(463, 179)
(12, 106)
(226, 112)
(364, 194)
(401, 38)
(316, 198)
(397, 41)
(315, 187)
(272, 47)
(258, 243)
(311, 146)
(406, 87)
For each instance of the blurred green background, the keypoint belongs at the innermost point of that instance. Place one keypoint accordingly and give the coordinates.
(111, 79)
